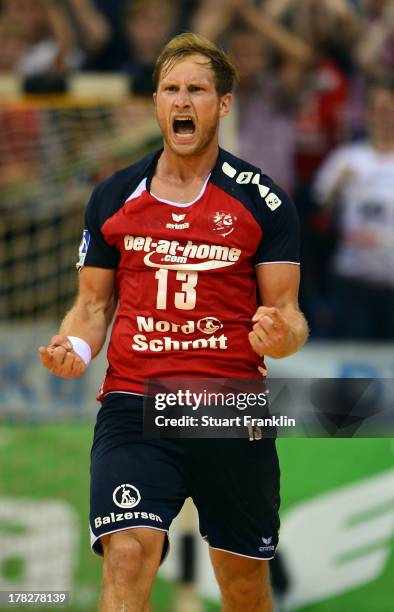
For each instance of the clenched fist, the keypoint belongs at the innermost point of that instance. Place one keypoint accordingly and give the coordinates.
(60, 358)
(271, 334)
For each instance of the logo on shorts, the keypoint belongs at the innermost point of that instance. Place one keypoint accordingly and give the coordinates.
(267, 547)
(126, 496)
(125, 516)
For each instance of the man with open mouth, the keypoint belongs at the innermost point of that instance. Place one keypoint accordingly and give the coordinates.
(180, 244)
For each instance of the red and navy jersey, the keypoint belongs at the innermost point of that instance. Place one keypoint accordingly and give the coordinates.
(185, 273)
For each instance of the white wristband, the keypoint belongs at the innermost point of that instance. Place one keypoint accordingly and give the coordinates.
(82, 348)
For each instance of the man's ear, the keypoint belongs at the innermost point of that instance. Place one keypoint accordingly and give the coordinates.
(225, 103)
(154, 98)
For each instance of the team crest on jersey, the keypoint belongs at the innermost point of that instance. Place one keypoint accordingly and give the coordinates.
(222, 223)
(178, 222)
(83, 248)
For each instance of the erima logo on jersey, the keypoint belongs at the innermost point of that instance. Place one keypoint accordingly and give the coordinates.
(83, 248)
(246, 177)
(177, 222)
(171, 254)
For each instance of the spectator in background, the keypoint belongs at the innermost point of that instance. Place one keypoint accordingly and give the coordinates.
(272, 62)
(214, 19)
(264, 107)
(375, 49)
(328, 27)
(356, 183)
(98, 27)
(374, 58)
(148, 25)
(49, 41)
(14, 43)
(94, 33)
(309, 41)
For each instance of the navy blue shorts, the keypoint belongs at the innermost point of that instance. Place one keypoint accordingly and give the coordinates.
(143, 482)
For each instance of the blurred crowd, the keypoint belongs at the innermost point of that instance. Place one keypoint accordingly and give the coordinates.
(314, 109)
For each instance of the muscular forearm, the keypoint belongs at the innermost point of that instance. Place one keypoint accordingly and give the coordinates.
(89, 321)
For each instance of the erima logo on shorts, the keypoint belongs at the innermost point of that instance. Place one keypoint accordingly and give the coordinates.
(126, 496)
(125, 516)
(266, 548)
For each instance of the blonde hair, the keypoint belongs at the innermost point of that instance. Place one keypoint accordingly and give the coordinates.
(184, 45)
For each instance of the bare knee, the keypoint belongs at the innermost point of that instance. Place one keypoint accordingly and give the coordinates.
(247, 590)
(123, 558)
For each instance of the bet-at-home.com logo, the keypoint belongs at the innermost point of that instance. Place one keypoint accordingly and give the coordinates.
(182, 256)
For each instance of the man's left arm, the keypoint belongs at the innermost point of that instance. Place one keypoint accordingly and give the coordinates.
(279, 327)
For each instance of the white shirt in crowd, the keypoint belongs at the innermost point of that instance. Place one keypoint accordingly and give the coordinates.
(360, 180)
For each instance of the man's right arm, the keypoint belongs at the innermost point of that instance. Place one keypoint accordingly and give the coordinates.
(88, 319)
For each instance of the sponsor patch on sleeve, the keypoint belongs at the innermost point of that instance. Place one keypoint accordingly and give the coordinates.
(272, 201)
(83, 248)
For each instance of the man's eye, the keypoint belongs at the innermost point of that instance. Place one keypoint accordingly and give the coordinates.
(170, 88)
(195, 88)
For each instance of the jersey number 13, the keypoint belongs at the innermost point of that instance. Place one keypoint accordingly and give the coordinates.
(185, 299)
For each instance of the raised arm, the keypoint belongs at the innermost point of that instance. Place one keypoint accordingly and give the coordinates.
(88, 320)
(280, 328)
(211, 19)
(286, 42)
(95, 29)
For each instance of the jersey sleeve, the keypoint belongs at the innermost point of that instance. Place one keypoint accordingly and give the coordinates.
(280, 226)
(93, 249)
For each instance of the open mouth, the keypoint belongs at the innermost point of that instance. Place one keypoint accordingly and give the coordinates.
(183, 125)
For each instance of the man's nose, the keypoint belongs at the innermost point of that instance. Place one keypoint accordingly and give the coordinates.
(183, 98)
